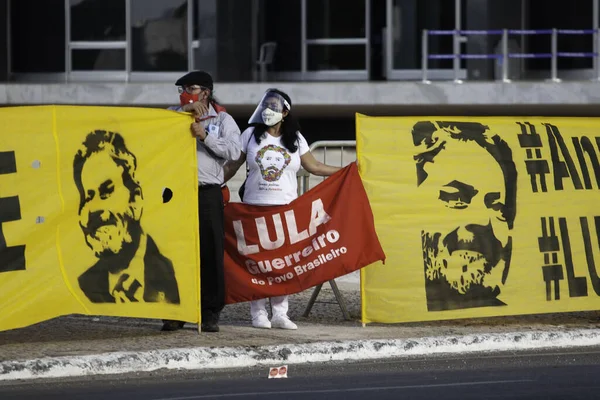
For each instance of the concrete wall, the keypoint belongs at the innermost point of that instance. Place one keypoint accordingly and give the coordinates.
(339, 99)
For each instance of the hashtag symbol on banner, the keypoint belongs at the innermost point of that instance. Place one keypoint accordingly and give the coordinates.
(530, 140)
(549, 246)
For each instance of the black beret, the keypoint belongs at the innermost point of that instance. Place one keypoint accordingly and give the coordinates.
(196, 78)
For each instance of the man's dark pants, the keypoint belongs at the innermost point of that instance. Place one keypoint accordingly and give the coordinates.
(212, 242)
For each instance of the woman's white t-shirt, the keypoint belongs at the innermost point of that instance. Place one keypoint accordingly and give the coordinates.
(272, 177)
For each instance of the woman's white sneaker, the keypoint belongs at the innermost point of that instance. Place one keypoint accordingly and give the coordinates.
(283, 323)
(261, 322)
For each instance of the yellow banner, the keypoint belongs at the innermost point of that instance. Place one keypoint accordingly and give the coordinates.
(481, 216)
(98, 214)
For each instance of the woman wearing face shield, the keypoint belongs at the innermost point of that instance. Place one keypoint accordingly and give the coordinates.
(274, 150)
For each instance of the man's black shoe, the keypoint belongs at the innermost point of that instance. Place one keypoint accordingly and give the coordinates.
(209, 326)
(170, 325)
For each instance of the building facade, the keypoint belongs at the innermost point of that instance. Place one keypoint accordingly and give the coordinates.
(334, 57)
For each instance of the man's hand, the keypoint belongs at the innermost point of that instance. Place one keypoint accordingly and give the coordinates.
(198, 131)
(197, 108)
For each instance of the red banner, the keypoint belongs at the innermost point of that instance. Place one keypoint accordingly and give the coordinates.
(325, 233)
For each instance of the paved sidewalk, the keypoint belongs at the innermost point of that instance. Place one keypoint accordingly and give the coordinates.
(81, 345)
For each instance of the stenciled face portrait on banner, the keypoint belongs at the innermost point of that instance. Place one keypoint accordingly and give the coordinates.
(130, 267)
(466, 243)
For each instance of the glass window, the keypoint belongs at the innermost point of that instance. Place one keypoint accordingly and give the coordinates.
(235, 40)
(97, 20)
(578, 15)
(38, 36)
(335, 19)
(409, 18)
(281, 22)
(205, 32)
(336, 57)
(98, 60)
(159, 35)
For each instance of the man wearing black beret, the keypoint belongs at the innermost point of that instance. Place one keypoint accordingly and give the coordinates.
(217, 141)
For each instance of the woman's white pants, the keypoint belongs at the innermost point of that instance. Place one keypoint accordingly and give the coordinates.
(279, 306)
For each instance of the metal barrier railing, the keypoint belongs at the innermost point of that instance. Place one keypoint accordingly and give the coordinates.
(303, 177)
(340, 145)
(505, 56)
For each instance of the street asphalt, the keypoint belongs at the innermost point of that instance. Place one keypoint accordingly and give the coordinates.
(85, 345)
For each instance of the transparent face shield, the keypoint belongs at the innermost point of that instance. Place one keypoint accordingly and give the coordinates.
(270, 109)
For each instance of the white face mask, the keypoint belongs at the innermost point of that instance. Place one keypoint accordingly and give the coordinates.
(271, 117)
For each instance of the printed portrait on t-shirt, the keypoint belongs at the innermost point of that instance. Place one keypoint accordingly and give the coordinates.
(272, 161)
